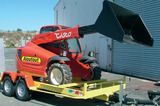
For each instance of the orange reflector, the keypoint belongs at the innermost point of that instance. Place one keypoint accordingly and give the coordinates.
(61, 54)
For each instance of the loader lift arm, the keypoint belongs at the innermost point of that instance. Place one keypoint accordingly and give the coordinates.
(48, 37)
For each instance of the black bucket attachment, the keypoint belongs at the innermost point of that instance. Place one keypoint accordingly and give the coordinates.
(120, 24)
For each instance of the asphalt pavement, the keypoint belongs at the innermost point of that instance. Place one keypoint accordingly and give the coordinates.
(41, 99)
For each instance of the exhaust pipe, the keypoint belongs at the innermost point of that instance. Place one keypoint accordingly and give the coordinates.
(121, 25)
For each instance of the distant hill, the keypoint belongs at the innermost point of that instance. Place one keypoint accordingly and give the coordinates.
(13, 39)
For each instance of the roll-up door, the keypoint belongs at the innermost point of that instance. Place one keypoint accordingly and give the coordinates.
(143, 62)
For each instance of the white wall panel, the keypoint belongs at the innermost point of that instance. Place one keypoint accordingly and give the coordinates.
(2, 59)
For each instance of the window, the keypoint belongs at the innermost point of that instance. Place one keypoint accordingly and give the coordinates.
(58, 44)
(49, 29)
(73, 45)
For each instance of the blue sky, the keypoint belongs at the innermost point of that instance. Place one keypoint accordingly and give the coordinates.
(26, 14)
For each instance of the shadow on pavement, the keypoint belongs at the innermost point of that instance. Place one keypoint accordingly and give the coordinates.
(59, 101)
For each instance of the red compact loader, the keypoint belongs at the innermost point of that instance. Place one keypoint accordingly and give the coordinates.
(56, 54)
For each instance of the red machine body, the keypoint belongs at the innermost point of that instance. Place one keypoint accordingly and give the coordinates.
(34, 57)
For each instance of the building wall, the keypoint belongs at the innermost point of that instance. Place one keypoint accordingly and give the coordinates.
(131, 60)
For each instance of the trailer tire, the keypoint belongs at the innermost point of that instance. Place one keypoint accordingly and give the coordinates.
(8, 87)
(95, 71)
(21, 90)
(59, 74)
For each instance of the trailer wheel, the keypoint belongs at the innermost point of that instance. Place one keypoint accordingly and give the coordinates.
(59, 74)
(95, 71)
(8, 87)
(22, 92)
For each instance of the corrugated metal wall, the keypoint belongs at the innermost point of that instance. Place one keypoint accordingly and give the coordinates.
(137, 61)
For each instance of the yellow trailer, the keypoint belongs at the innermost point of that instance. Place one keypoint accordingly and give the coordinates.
(24, 83)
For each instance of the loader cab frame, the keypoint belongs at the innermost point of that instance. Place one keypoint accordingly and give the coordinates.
(52, 28)
(72, 46)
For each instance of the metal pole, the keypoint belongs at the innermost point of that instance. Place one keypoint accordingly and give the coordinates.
(121, 93)
(2, 58)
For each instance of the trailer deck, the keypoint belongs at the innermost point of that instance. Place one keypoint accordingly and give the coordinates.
(99, 89)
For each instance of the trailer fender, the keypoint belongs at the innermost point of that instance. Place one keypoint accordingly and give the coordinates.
(15, 76)
(58, 58)
(28, 79)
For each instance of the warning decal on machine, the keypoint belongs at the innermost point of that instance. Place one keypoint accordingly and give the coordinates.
(31, 59)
